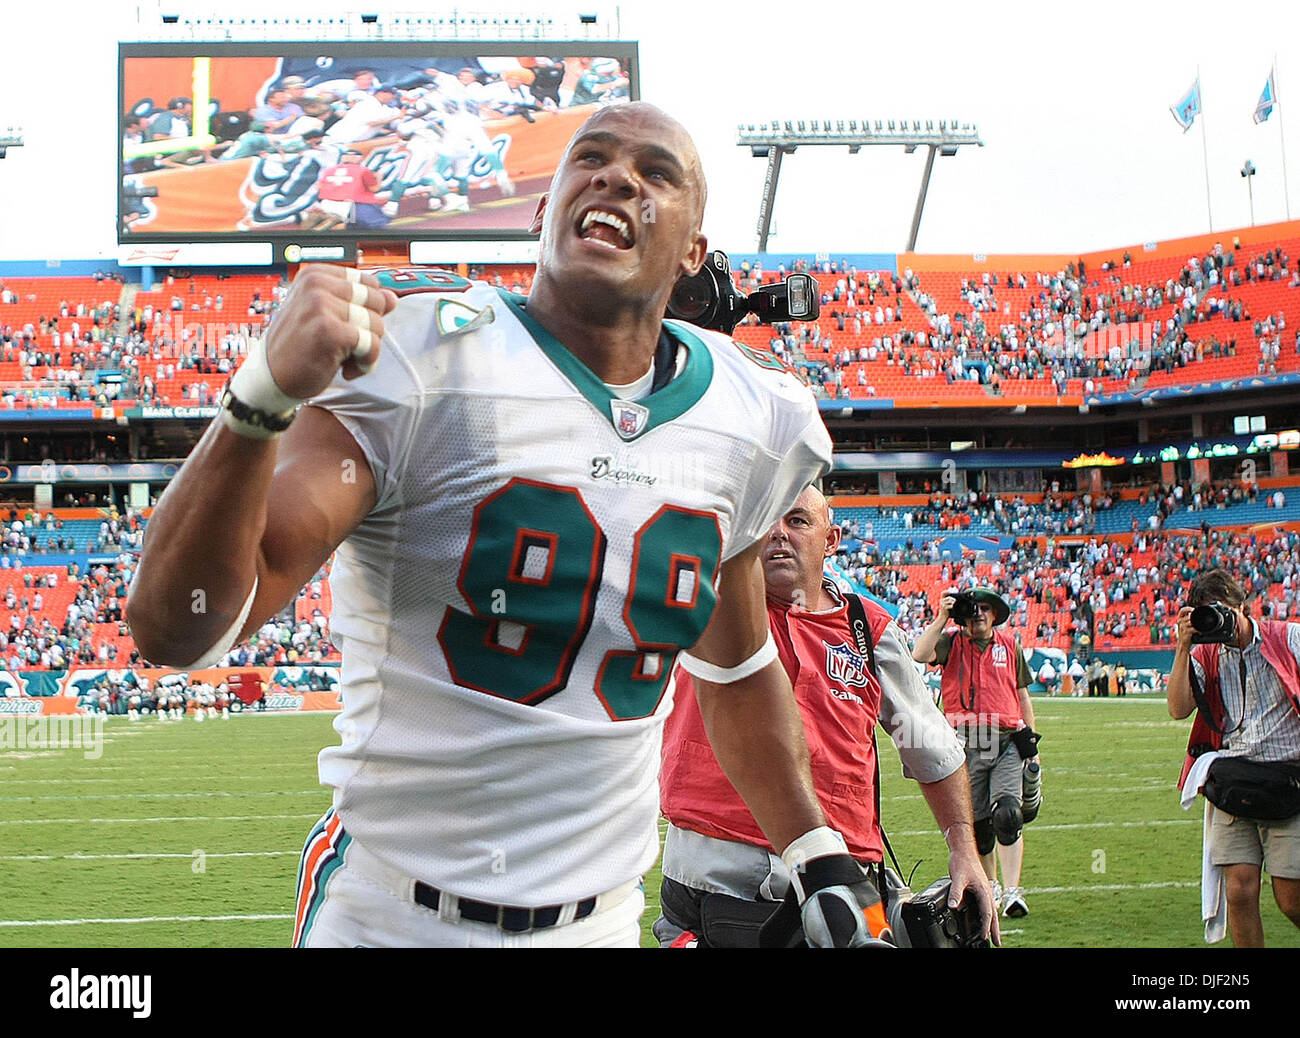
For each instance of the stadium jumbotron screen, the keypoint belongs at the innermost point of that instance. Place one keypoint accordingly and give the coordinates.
(422, 141)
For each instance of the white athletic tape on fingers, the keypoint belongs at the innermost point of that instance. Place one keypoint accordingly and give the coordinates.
(352, 274)
(363, 350)
(359, 318)
(359, 315)
(223, 643)
(360, 294)
(706, 671)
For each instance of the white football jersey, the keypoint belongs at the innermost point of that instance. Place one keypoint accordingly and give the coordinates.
(509, 611)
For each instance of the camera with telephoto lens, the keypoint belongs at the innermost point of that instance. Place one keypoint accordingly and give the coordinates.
(710, 300)
(1213, 624)
(963, 608)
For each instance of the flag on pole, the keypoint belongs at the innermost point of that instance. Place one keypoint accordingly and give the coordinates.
(1188, 107)
(1264, 106)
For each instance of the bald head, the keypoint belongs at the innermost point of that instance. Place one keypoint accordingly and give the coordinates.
(669, 134)
(796, 550)
(814, 501)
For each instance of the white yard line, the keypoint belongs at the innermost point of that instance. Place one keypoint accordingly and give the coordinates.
(127, 857)
(145, 919)
(187, 769)
(166, 818)
(1155, 787)
(165, 796)
(1070, 826)
(1089, 888)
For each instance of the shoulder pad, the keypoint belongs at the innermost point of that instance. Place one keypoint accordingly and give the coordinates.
(406, 281)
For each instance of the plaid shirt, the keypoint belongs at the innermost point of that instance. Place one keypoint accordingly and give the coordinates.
(1271, 728)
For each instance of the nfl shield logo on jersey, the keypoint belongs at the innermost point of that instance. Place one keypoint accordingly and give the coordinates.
(845, 666)
(629, 418)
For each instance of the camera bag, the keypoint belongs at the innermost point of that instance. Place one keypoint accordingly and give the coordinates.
(1253, 789)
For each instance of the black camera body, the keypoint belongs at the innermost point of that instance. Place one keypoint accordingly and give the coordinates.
(710, 299)
(930, 923)
(1214, 624)
(963, 608)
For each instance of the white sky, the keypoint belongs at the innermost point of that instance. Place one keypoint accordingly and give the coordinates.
(1072, 102)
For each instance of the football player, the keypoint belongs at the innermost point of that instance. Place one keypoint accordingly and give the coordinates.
(537, 504)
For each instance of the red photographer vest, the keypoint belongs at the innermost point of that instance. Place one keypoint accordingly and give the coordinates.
(1273, 646)
(982, 687)
(839, 702)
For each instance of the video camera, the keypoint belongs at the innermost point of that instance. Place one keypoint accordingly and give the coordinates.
(1213, 624)
(710, 299)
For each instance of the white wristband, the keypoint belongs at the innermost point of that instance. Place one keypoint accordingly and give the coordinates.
(729, 675)
(223, 643)
(816, 843)
(254, 387)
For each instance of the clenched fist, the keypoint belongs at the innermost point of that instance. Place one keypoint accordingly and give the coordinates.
(332, 318)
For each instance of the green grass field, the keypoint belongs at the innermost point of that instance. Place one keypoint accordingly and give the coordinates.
(188, 835)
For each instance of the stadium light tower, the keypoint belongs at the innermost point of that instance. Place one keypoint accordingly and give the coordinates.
(772, 141)
(10, 137)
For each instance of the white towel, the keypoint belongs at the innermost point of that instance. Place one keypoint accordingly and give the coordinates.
(1214, 893)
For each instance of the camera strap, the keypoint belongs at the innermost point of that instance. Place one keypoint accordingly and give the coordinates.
(861, 629)
(1203, 703)
(969, 679)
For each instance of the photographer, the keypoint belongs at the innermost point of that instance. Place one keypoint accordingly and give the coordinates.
(714, 853)
(1247, 675)
(986, 698)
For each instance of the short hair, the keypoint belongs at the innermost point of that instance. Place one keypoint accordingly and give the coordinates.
(1216, 585)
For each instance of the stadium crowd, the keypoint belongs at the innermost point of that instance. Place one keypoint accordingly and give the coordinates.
(996, 327)
(1107, 590)
(65, 355)
(1123, 590)
(1061, 512)
(90, 630)
(1053, 326)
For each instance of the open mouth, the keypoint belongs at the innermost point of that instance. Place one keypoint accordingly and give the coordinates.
(606, 228)
(780, 556)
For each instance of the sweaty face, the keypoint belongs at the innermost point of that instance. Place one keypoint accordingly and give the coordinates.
(625, 204)
(796, 549)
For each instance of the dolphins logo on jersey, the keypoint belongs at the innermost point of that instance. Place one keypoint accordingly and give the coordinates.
(455, 318)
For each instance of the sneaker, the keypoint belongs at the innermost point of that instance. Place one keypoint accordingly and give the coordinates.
(390, 208)
(1013, 903)
(455, 204)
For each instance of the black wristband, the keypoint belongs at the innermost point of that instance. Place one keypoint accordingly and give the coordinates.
(275, 423)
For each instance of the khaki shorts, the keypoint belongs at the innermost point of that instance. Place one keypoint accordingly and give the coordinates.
(1240, 841)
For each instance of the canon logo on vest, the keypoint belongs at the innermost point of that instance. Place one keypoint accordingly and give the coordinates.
(126, 991)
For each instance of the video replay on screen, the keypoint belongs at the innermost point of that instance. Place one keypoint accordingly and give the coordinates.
(436, 141)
